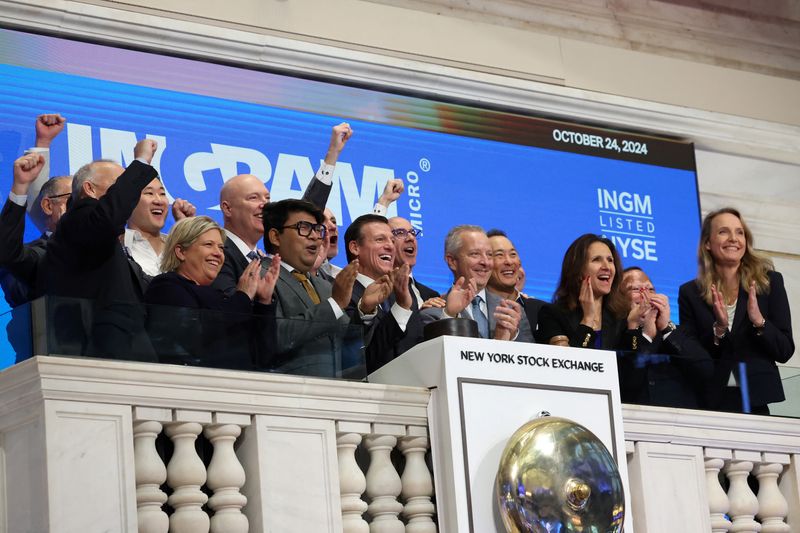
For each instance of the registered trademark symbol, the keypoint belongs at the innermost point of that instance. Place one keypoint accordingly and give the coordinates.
(424, 164)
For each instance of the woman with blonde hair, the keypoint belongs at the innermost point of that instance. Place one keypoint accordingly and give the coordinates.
(737, 308)
(233, 332)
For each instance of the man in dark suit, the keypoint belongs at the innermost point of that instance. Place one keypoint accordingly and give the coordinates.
(242, 199)
(382, 297)
(506, 265)
(46, 201)
(406, 248)
(469, 256)
(85, 259)
(310, 311)
(21, 262)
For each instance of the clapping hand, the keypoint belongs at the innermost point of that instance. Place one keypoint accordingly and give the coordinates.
(460, 296)
(507, 316)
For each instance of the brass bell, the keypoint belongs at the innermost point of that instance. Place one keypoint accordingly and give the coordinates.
(557, 476)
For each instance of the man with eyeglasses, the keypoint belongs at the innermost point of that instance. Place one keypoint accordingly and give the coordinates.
(242, 199)
(46, 200)
(310, 310)
(669, 368)
(406, 247)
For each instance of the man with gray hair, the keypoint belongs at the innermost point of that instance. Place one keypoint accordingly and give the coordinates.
(85, 259)
(468, 254)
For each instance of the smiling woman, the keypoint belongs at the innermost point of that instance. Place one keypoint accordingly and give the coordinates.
(737, 308)
(588, 309)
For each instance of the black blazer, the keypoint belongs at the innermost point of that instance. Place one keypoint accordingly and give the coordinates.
(759, 353)
(383, 338)
(669, 371)
(20, 274)
(86, 260)
(554, 320)
(199, 325)
(532, 306)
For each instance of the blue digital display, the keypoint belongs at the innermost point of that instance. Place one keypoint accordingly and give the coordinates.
(542, 197)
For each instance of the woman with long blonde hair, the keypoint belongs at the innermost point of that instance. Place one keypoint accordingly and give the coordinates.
(738, 309)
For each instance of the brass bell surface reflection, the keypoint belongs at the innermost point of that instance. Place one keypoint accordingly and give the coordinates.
(557, 476)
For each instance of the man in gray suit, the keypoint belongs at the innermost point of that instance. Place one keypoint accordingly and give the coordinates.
(469, 257)
(309, 309)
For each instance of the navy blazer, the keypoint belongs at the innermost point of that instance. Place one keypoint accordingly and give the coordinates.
(758, 352)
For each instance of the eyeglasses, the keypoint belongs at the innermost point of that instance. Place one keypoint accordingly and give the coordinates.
(55, 196)
(304, 229)
(644, 288)
(402, 233)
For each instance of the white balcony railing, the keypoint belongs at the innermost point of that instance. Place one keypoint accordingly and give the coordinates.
(82, 441)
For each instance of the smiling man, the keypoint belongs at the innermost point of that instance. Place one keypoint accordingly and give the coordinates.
(468, 254)
(406, 247)
(143, 237)
(242, 199)
(506, 266)
(382, 300)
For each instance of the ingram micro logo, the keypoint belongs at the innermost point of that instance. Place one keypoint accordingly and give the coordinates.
(627, 219)
(282, 175)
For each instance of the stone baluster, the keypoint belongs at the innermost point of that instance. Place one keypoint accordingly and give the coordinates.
(226, 475)
(718, 504)
(352, 482)
(744, 504)
(150, 470)
(186, 474)
(417, 482)
(772, 506)
(383, 482)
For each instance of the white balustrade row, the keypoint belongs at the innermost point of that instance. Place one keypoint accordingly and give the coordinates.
(696, 471)
(740, 509)
(186, 474)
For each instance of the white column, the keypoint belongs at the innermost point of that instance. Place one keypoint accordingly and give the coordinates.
(789, 484)
(352, 482)
(383, 482)
(150, 470)
(772, 506)
(186, 474)
(718, 504)
(744, 504)
(226, 475)
(417, 483)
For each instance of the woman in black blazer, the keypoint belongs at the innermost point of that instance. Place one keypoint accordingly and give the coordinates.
(223, 332)
(737, 308)
(588, 309)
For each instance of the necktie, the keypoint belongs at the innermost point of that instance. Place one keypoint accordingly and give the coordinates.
(312, 293)
(479, 317)
(252, 255)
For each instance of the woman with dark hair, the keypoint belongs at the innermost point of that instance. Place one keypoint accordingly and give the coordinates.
(737, 308)
(589, 310)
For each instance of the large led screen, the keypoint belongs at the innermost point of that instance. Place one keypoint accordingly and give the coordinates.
(544, 182)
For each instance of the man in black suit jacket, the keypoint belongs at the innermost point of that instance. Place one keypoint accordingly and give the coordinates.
(242, 199)
(382, 297)
(85, 259)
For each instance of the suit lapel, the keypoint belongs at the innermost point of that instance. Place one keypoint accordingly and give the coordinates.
(740, 315)
(295, 286)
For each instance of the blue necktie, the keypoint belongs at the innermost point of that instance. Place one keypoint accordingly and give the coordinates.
(479, 317)
(252, 254)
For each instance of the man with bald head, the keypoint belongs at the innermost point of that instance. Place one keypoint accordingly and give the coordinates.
(406, 247)
(85, 258)
(242, 200)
